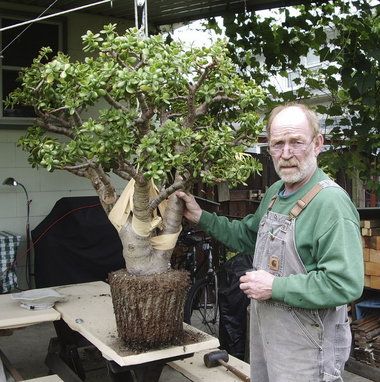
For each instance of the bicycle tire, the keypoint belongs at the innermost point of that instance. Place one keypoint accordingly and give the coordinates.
(201, 306)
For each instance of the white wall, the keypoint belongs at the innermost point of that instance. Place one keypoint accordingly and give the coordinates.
(44, 188)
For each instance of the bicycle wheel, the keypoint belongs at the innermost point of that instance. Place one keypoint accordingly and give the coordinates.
(201, 306)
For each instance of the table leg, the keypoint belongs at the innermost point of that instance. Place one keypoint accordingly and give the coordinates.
(139, 373)
(146, 372)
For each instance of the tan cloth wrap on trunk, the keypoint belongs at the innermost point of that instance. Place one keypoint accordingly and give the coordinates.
(123, 209)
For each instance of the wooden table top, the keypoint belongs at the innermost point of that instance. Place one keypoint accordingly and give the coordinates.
(88, 310)
(12, 315)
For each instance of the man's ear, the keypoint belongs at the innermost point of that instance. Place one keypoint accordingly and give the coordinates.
(318, 144)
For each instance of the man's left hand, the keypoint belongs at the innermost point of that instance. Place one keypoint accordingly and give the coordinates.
(257, 284)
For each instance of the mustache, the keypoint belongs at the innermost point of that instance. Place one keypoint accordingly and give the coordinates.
(287, 163)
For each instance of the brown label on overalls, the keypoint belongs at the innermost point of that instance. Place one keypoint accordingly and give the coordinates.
(274, 263)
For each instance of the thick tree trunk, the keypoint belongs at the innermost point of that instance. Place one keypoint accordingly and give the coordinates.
(140, 257)
(148, 297)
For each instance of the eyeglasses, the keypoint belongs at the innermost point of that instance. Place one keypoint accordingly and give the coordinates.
(295, 148)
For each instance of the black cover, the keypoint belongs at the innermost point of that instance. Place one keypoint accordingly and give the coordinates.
(233, 305)
(75, 243)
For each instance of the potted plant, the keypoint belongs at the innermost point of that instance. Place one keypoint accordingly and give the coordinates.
(159, 116)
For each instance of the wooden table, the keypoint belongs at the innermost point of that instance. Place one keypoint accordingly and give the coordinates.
(195, 369)
(12, 315)
(87, 309)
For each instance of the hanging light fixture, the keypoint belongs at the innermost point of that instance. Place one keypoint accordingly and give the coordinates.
(13, 182)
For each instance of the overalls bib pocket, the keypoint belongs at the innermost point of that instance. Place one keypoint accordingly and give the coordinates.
(270, 248)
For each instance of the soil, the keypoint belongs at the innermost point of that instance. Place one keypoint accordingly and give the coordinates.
(149, 309)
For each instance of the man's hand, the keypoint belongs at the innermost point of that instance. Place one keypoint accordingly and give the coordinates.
(192, 210)
(257, 284)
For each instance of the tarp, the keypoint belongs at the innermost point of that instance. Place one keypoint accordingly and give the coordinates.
(75, 243)
(233, 305)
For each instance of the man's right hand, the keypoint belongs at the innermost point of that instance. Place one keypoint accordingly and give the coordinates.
(192, 210)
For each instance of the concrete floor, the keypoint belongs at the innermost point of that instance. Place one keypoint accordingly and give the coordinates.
(26, 348)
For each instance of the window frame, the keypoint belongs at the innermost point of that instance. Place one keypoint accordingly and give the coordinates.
(7, 122)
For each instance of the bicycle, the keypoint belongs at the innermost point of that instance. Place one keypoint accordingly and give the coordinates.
(202, 305)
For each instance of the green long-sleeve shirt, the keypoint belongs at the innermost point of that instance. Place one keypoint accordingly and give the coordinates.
(327, 236)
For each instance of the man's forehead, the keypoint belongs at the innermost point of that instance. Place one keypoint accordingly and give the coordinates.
(290, 116)
(290, 119)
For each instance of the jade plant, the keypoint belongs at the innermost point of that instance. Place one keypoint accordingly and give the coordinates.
(158, 115)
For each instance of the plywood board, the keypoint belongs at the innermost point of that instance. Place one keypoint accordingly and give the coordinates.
(374, 255)
(366, 254)
(375, 282)
(12, 315)
(88, 309)
(374, 242)
(372, 269)
(195, 369)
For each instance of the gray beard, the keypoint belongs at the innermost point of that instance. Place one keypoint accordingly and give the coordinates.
(304, 169)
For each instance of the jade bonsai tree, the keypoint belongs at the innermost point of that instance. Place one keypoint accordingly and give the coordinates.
(155, 114)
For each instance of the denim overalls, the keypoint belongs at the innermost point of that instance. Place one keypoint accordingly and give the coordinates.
(289, 344)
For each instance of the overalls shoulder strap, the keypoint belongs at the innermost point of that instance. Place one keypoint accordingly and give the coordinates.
(303, 202)
(272, 201)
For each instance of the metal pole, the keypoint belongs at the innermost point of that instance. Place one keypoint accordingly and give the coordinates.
(28, 264)
(136, 16)
(55, 14)
(146, 18)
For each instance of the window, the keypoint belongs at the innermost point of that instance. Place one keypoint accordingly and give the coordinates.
(20, 53)
(311, 61)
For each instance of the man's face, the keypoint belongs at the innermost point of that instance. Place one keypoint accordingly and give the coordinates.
(294, 148)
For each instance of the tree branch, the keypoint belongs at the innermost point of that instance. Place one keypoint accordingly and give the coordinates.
(77, 119)
(103, 186)
(147, 113)
(192, 110)
(202, 109)
(131, 171)
(241, 139)
(78, 166)
(164, 194)
(54, 129)
(208, 68)
(114, 103)
(122, 174)
(49, 116)
(81, 173)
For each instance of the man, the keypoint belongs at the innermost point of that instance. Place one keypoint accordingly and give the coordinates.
(307, 263)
